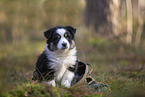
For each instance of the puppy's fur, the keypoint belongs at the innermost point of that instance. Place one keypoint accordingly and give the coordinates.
(59, 55)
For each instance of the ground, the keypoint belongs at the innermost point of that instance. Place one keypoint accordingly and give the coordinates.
(120, 66)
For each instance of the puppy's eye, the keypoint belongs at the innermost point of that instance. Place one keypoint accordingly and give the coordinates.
(65, 35)
(58, 36)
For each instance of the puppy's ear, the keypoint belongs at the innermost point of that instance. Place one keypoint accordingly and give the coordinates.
(48, 33)
(71, 30)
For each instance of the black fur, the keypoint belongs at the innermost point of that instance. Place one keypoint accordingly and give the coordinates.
(43, 71)
(71, 30)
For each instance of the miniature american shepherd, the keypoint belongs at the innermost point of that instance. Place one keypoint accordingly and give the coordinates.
(57, 61)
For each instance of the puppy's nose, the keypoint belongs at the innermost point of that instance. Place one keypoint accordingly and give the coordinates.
(64, 44)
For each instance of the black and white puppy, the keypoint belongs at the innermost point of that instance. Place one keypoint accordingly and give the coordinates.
(59, 54)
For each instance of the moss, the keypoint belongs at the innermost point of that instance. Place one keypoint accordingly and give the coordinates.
(37, 90)
(56, 92)
(29, 89)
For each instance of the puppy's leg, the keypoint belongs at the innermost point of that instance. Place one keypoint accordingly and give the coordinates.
(52, 82)
(67, 78)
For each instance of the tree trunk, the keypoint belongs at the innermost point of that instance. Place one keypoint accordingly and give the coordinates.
(95, 15)
(114, 8)
(140, 26)
(129, 22)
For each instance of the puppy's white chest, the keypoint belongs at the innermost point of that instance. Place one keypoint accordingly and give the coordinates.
(62, 65)
(60, 72)
(61, 61)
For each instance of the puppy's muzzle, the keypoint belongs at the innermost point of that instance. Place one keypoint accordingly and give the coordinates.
(64, 45)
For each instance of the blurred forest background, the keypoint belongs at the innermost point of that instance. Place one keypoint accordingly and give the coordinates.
(110, 36)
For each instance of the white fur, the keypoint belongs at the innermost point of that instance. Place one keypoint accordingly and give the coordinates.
(61, 32)
(67, 78)
(60, 62)
(52, 83)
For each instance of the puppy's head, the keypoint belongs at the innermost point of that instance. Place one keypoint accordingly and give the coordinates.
(60, 38)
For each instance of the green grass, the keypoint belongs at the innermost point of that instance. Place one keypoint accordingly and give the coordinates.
(122, 68)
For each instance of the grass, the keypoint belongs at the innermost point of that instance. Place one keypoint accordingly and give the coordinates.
(121, 67)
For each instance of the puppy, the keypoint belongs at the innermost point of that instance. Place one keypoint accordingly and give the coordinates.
(56, 63)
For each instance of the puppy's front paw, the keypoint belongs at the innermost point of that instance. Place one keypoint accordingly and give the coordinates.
(66, 83)
(52, 83)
